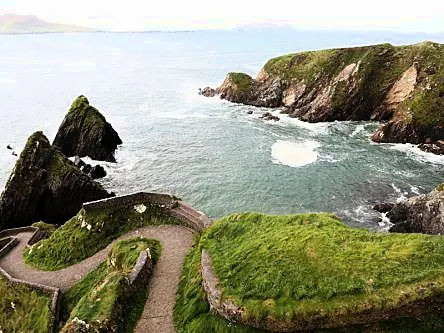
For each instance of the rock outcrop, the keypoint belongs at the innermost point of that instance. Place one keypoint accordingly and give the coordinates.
(85, 132)
(420, 214)
(45, 186)
(401, 85)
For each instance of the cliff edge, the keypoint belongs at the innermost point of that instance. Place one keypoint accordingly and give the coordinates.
(403, 86)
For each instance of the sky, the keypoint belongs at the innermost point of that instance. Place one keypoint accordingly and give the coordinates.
(135, 15)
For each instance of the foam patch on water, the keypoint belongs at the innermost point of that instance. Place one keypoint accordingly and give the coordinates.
(357, 130)
(294, 154)
(416, 153)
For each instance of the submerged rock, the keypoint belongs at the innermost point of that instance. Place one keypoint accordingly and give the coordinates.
(403, 85)
(207, 92)
(97, 172)
(85, 132)
(45, 186)
(420, 214)
(269, 116)
(383, 207)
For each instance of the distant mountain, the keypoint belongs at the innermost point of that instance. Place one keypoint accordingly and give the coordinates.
(26, 24)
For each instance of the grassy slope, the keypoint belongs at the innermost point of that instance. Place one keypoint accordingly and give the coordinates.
(32, 312)
(192, 312)
(87, 233)
(81, 300)
(380, 66)
(300, 264)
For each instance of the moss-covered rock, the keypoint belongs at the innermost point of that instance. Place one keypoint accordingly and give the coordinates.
(45, 186)
(85, 132)
(241, 88)
(402, 84)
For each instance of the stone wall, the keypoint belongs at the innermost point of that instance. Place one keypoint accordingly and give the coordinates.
(6, 244)
(158, 198)
(173, 206)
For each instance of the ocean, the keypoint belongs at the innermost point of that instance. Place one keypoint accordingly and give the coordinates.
(209, 152)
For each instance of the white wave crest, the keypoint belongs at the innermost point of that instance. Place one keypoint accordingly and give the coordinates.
(294, 154)
(414, 152)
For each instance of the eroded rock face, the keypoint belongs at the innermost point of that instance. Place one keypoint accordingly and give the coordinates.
(420, 214)
(45, 186)
(85, 132)
(403, 85)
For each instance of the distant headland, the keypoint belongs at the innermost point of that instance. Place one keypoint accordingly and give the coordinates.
(30, 24)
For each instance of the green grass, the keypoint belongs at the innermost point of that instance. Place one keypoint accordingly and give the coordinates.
(241, 80)
(23, 310)
(191, 311)
(89, 232)
(102, 294)
(267, 237)
(297, 266)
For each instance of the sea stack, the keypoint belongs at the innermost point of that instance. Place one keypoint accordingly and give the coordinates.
(45, 186)
(85, 132)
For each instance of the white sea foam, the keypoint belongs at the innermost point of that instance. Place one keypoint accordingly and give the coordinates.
(294, 154)
(314, 128)
(416, 153)
(357, 130)
(400, 193)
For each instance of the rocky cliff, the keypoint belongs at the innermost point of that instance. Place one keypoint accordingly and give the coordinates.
(85, 132)
(45, 186)
(420, 214)
(401, 85)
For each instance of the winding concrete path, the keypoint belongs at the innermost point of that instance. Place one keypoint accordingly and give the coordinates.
(157, 316)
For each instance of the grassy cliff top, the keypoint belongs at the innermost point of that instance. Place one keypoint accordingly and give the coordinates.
(379, 67)
(303, 265)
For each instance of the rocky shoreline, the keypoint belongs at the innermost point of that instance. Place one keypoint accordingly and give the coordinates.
(402, 86)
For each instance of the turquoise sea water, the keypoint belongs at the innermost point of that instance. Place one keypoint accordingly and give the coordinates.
(207, 151)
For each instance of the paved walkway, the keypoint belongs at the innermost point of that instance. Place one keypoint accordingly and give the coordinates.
(157, 316)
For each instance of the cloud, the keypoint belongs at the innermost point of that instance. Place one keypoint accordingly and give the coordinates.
(427, 15)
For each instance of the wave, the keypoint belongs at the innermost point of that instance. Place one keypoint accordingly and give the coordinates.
(417, 154)
(294, 154)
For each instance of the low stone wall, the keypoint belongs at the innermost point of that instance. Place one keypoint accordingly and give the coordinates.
(172, 205)
(191, 217)
(11, 232)
(54, 293)
(166, 200)
(6, 244)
